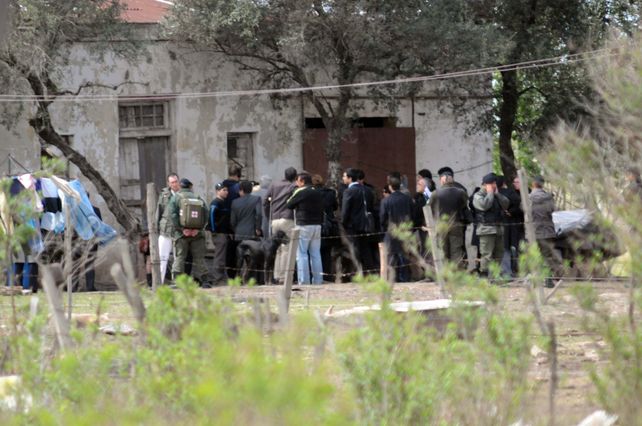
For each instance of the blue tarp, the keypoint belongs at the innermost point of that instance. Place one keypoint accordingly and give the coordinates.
(85, 221)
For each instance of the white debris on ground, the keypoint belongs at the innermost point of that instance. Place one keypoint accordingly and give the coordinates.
(599, 418)
(120, 329)
(402, 307)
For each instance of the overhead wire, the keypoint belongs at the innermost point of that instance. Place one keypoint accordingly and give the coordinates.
(537, 63)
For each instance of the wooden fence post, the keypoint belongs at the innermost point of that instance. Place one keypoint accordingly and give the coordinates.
(69, 258)
(286, 293)
(126, 281)
(152, 201)
(526, 205)
(61, 324)
(436, 250)
(528, 223)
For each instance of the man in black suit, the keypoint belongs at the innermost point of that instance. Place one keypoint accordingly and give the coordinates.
(395, 210)
(246, 216)
(356, 206)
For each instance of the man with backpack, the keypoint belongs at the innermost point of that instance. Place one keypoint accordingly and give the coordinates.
(189, 215)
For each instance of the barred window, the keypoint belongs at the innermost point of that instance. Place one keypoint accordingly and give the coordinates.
(142, 116)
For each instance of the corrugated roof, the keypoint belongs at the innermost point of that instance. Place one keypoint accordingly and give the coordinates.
(145, 11)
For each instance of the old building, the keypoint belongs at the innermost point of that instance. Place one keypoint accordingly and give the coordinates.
(190, 126)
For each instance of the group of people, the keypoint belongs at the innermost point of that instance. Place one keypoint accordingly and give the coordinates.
(347, 226)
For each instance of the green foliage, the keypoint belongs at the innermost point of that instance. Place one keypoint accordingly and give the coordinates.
(591, 160)
(542, 96)
(405, 372)
(15, 213)
(618, 381)
(42, 31)
(200, 360)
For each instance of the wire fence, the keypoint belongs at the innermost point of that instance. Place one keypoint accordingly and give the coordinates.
(562, 60)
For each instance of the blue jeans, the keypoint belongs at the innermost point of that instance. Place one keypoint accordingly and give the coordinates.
(309, 254)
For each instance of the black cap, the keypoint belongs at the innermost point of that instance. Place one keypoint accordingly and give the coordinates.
(489, 178)
(219, 186)
(185, 183)
(445, 171)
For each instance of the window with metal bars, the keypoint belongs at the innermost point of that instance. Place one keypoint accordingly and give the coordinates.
(148, 116)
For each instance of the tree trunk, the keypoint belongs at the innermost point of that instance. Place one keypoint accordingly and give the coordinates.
(42, 125)
(507, 115)
(336, 133)
(338, 126)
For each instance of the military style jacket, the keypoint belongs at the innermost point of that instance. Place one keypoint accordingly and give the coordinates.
(489, 209)
(543, 206)
(163, 217)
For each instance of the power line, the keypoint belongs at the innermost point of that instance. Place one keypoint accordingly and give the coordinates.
(537, 63)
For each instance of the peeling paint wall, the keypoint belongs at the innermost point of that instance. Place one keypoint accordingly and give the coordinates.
(199, 126)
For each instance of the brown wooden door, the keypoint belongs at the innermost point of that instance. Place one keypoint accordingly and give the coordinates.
(142, 160)
(152, 153)
(376, 151)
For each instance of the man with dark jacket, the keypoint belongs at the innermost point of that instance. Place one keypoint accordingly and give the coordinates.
(246, 214)
(234, 173)
(246, 221)
(221, 229)
(356, 207)
(188, 240)
(449, 204)
(543, 206)
(489, 207)
(281, 218)
(448, 170)
(307, 203)
(395, 210)
(513, 226)
(421, 198)
(329, 227)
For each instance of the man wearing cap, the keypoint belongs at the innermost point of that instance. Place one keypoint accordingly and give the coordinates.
(543, 206)
(164, 222)
(221, 229)
(445, 170)
(449, 204)
(188, 240)
(489, 206)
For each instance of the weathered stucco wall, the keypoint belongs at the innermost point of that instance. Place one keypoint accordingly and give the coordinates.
(199, 125)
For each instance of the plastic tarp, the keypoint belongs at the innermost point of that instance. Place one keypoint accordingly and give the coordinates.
(571, 220)
(85, 221)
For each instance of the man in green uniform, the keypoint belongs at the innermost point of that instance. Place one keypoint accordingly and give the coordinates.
(489, 207)
(188, 235)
